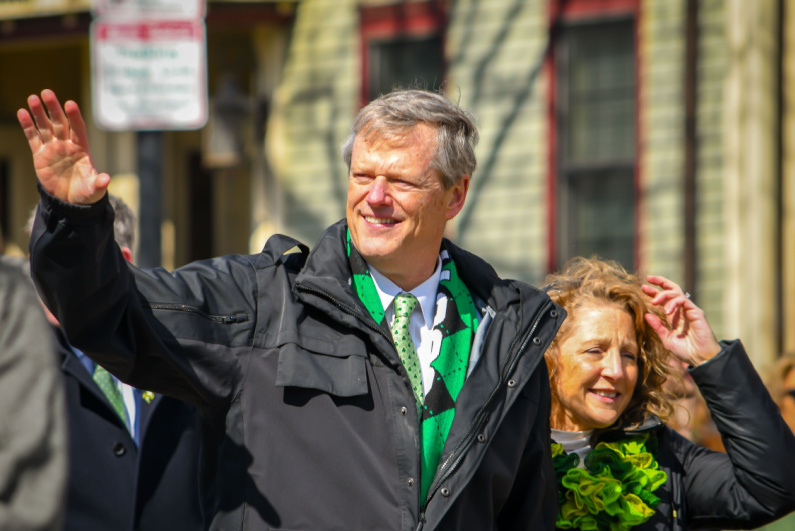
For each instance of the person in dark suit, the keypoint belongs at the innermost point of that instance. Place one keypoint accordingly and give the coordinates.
(133, 455)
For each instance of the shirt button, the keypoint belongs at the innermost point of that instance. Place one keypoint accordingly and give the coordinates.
(410, 482)
(404, 410)
(119, 449)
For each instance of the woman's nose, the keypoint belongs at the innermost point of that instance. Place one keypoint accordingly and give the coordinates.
(612, 367)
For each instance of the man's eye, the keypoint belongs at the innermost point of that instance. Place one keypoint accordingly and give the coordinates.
(403, 185)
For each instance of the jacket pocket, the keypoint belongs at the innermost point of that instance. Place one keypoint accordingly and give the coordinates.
(335, 368)
(191, 322)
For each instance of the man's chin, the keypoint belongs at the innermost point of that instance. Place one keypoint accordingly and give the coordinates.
(377, 258)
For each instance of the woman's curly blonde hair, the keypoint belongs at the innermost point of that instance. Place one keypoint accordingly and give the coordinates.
(588, 280)
(777, 376)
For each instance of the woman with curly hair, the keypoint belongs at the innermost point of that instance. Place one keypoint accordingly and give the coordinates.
(781, 384)
(618, 466)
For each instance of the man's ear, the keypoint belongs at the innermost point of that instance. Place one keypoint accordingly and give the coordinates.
(456, 196)
(127, 253)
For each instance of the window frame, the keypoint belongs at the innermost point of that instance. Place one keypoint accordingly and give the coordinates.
(399, 20)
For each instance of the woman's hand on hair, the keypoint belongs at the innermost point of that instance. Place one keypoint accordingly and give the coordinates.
(686, 332)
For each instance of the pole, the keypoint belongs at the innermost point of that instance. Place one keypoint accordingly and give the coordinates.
(150, 164)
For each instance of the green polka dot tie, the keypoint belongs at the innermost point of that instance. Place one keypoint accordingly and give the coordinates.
(110, 389)
(404, 305)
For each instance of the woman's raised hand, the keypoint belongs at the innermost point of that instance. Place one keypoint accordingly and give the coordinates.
(59, 142)
(687, 334)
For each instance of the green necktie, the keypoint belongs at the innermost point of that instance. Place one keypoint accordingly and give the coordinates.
(404, 305)
(110, 389)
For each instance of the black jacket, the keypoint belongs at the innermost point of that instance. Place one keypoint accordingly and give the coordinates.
(310, 410)
(750, 485)
(114, 483)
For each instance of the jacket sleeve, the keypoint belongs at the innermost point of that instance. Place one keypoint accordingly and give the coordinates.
(172, 333)
(33, 463)
(754, 482)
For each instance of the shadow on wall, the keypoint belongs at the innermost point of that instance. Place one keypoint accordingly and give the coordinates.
(519, 99)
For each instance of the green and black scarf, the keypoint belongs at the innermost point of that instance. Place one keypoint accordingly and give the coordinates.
(456, 323)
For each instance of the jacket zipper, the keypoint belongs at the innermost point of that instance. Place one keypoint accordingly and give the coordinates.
(481, 417)
(223, 319)
(675, 499)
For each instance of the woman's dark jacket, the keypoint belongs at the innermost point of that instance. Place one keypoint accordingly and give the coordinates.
(309, 415)
(750, 485)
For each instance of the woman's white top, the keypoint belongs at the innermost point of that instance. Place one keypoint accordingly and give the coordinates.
(577, 442)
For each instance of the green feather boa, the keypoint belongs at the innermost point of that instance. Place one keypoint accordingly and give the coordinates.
(615, 490)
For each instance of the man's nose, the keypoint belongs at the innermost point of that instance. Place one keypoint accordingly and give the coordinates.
(379, 190)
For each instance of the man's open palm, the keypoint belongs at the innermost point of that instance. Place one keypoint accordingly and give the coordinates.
(59, 143)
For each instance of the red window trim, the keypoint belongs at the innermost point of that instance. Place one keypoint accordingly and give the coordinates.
(397, 20)
(562, 11)
(570, 10)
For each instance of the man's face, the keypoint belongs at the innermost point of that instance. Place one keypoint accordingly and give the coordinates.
(397, 207)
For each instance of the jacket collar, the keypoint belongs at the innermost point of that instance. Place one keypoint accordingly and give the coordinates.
(327, 269)
(72, 367)
(651, 423)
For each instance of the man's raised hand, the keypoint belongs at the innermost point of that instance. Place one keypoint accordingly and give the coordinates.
(59, 143)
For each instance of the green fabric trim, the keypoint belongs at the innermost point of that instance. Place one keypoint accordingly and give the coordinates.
(615, 490)
(452, 365)
(368, 294)
(460, 294)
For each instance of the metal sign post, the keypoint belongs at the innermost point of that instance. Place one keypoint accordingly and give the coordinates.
(150, 164)
(149, 74)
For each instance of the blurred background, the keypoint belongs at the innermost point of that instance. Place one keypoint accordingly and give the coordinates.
(658, 133)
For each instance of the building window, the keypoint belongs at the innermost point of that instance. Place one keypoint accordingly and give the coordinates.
(402, 46)
(595, 97)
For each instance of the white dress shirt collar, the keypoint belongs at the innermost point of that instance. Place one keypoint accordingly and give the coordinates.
(425, 292)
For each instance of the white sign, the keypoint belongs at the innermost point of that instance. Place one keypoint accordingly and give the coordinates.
(149, 75)
(150, 8)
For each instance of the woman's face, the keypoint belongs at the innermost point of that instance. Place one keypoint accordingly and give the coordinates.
(597, 368)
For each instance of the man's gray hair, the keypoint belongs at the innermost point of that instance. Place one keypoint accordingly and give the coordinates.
(400, 110)
(124, 223)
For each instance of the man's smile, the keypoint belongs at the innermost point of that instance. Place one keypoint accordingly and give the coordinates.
(380, 221)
